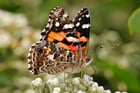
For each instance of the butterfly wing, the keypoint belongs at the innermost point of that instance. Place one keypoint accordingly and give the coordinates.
(50, 58)
(82, 25)
(53, 52)
(62, 42)
(60, 30)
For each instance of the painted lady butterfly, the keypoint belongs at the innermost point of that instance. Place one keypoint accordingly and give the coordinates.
(63, 44)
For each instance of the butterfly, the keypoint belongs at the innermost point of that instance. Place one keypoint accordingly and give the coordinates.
(63, 44)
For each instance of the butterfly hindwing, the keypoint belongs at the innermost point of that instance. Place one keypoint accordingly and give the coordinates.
(50, 58)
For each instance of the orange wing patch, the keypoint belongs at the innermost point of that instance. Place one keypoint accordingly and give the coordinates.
(64, 45)
(59, 36)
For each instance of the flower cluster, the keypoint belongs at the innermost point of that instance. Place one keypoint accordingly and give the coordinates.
(69, 85)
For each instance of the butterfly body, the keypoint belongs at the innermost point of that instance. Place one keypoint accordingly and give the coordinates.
(63, 44)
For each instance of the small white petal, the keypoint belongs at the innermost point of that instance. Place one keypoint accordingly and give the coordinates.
(117, 92)
(53, 82)
(92, 89)
(107, 91)
(76, 81)
(95, 85)
(57, 90)
(80, 91)
(37, 83)
(87, 78)
(100, 89)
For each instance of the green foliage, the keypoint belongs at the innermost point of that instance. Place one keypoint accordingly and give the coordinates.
(134, 22)
(5, 53)
(121, 75)
(7, 77)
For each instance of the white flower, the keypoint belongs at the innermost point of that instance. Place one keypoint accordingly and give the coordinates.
(120, 92)
(66, 92)
(56, 90)
(75, 85)
(53, 82)
(5, 38)
(76, 81)
(87, 78)
(7, 19)
(117, 92)
(80, 91)
(37, 83)
(92, 89)
(107, 91)
(95, 85)
(100, 89)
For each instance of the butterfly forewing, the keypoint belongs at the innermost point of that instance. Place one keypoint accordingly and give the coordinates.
(82, 25)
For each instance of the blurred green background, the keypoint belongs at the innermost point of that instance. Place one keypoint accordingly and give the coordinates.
(114, 27)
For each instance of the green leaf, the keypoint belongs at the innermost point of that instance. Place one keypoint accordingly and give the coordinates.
(7, 77)
(134, 22)
(121, 75)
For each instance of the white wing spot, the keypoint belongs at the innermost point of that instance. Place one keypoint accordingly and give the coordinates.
(48, 25)
(67, 26)
(28, 66)
(49, 20)
(72, 39)
(51, 57)
(28, 60)
(77, 24)
(85, 26)
(71, 25)
(29, 53)
(87, 16)
(56, 18)
(83, 15)
(57, 24)
(79, 19)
